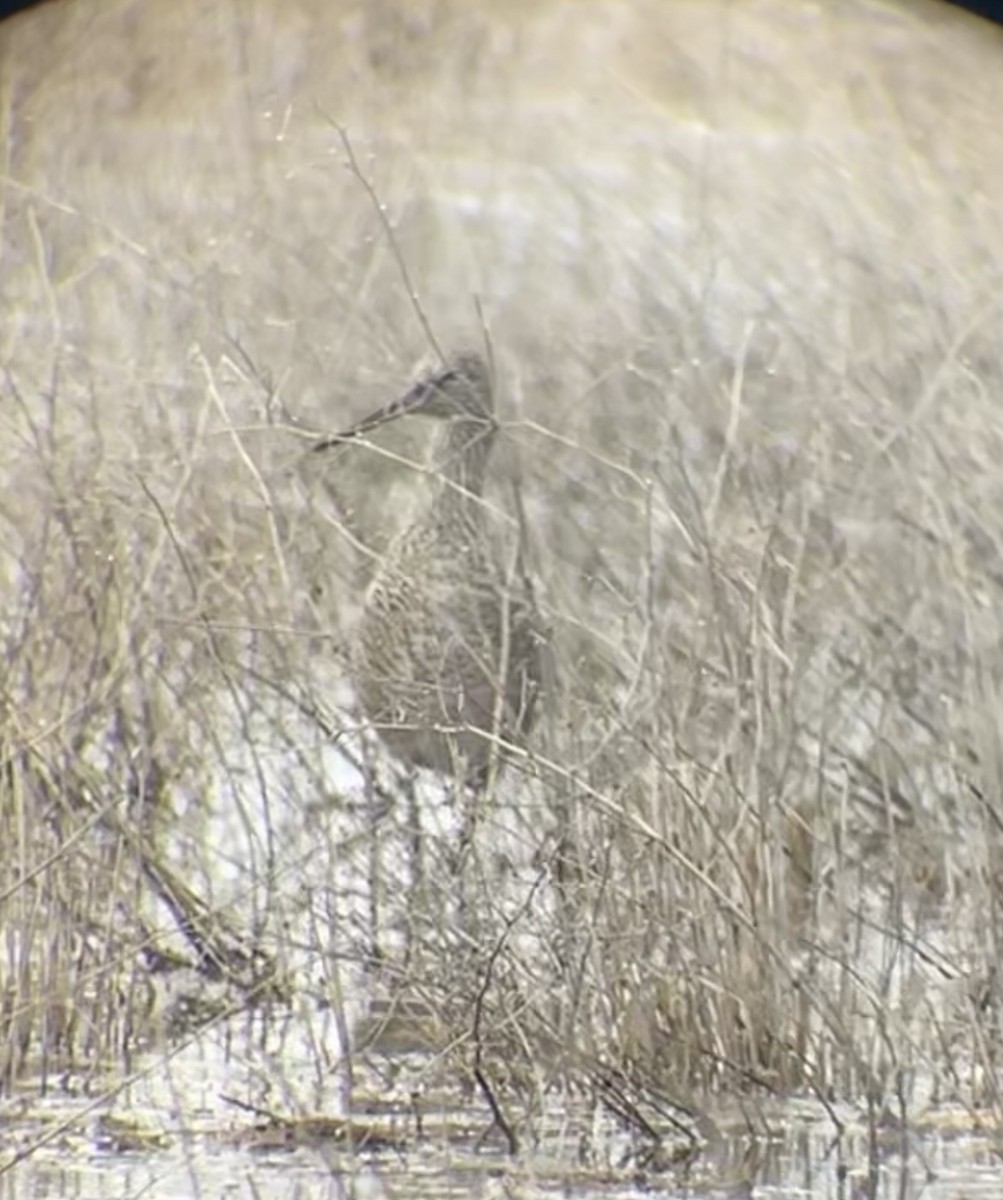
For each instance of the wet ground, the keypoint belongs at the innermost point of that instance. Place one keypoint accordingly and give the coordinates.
(804, 1163)
(204, 1121)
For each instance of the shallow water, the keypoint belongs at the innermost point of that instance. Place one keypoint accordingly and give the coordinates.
(939, 1169)
(181, 1128)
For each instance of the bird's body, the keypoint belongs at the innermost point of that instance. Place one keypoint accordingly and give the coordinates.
(447, 654)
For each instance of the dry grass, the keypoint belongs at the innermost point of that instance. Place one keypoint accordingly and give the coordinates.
(756, 844)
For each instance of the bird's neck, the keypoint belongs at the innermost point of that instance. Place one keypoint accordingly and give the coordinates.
(462, 460)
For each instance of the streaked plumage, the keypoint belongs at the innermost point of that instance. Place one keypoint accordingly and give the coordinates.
(447, 654)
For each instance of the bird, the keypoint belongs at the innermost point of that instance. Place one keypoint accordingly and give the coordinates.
(446, 659)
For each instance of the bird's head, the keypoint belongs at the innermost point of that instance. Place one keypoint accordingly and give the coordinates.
(459, 391)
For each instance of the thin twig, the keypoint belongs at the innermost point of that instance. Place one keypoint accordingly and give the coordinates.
(384, 220)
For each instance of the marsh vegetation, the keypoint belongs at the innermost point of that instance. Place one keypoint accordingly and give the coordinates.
(749, 380)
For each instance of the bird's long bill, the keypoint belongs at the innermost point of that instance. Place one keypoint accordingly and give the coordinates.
(412, 401)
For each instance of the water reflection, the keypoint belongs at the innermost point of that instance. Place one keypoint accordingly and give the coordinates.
(805, 1161)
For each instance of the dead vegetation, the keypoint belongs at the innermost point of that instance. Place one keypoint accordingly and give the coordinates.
(754, 848)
